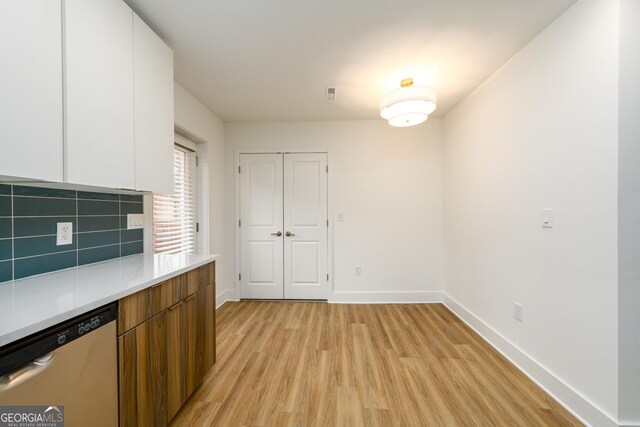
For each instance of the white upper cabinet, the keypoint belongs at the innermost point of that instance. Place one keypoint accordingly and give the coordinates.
(31, 90)
(99, 110)
(86, 96)
(153, 99)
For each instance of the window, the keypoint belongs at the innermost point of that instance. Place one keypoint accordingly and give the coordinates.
(174, 215)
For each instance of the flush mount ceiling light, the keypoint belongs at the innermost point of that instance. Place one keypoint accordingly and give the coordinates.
(408, 105)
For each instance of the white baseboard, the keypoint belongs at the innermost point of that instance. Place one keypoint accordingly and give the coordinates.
(224, 296)
(573, 401)
(384, 297)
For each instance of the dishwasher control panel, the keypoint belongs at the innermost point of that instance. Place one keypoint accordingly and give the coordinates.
(22, 352)
(93, 323)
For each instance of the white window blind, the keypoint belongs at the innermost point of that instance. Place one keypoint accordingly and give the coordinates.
(174, 215)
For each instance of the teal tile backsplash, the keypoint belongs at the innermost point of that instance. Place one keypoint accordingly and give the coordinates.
(28, 223)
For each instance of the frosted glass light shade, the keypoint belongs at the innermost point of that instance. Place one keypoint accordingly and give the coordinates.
(408, 119)
(408, 106)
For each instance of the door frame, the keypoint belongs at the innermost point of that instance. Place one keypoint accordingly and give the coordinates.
(236, 231)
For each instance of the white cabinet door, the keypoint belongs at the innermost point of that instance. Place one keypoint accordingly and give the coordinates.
(261, 222)
(153, 99)
(31, 89)
(99, 116)
(305, 225)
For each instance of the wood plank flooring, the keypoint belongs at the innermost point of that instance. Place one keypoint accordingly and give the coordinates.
(318, 364)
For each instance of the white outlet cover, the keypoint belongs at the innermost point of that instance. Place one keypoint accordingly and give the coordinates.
(340, 217)
(64, 235)
(358, 270)
(517, 311)
(135, 221)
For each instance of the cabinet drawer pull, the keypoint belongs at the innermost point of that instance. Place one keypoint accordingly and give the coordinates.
(188, 298)
(173, 307)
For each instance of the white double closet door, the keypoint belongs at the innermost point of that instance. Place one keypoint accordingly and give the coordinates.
(283, 226)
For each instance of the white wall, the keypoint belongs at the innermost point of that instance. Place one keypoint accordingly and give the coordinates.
(388, 183)
(193, 116)
(542, 133)
(629, 213)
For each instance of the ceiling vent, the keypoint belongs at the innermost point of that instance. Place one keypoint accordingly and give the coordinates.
(331, 93)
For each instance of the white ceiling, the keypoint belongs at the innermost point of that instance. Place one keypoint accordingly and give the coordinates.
(270, 60)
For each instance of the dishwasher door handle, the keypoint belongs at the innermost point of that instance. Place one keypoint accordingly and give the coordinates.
(26, 372)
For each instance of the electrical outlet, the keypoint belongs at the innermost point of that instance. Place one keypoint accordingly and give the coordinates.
(358, 270)
(517, 311)
(65, 234)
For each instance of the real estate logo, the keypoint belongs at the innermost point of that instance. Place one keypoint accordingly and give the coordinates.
(31, 416)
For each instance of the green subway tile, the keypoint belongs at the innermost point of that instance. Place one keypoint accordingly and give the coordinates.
(131, 198)
(31, 246)
(43, 264)
(131, 235)
(25, 227)
(88, 256)
(19, 190)
(98, 223)
(6, 271)
(99, 238)
(34, 206)
(5, 228)
(5, 189)
(132, 248)
(5, 249)
(5, 205)
(130, 208)
(97, 196)
(98, 207)
(123, 222)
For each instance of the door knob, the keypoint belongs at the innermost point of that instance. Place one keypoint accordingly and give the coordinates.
(279, 233)
(289, 234)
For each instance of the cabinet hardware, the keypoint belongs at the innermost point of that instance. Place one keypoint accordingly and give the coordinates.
(173, 307)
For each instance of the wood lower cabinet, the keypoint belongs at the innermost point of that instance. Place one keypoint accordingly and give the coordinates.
(163, 359)
(209, 329)
(175, 360)
(190, 328)
(143, 374)
(199, 338)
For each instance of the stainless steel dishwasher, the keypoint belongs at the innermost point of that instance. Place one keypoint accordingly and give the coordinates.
(73, 364)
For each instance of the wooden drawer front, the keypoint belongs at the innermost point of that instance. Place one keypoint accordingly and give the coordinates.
(207, 274)
(143, 374)
(199, 278)
(190, 281)
(174, 291)
(143, 305)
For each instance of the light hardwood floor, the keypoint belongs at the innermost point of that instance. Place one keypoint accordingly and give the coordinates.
(317, 364)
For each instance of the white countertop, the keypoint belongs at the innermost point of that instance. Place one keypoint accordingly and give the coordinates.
(36, 303)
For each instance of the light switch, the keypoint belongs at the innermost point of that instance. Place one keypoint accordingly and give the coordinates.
(547, 218)
(135, 221)
(340, 217)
